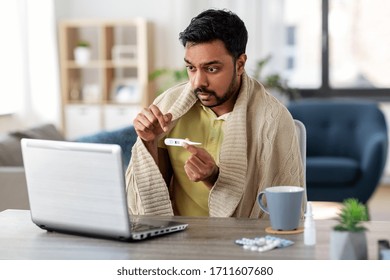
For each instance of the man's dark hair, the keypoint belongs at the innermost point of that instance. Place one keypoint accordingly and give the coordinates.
(212, 25)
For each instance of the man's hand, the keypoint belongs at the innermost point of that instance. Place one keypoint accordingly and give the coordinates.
(201, 166)
(150, 123)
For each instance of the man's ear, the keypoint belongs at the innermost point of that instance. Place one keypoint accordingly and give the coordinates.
(240, 64)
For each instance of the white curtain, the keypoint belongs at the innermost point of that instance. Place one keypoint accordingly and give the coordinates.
(11, 70)
(29, 72)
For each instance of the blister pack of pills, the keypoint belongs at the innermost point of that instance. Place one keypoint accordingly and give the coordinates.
(263, 244)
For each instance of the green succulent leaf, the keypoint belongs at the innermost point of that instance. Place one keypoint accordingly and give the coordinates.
(351, 216)
(83, 43)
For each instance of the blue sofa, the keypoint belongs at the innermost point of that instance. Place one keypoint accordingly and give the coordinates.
(346, 147)
(124, 137)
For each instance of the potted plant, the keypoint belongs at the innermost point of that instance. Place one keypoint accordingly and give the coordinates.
(168, 77)
(274, 83)
(82, 52)
(348, 238)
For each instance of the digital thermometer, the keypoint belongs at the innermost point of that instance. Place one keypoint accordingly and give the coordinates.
(179, 142)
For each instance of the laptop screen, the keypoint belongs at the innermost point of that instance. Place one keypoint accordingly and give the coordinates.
(76, 186)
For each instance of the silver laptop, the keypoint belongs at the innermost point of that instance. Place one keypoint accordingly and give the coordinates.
(79, 188)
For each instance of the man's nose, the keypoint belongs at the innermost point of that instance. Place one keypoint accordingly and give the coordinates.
(199, 80)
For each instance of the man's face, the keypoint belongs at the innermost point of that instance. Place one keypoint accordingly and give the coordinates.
(214, 75)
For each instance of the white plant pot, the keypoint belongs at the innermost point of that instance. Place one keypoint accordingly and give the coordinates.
(346, 245)
(82, 55)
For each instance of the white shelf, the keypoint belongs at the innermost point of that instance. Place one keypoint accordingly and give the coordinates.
(91, 87)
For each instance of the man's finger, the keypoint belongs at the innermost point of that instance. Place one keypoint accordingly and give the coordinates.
(191, 148)
(167, 118)
(163, 120)
(145, 121)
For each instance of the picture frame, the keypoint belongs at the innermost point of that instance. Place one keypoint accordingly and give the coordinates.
(126, 90)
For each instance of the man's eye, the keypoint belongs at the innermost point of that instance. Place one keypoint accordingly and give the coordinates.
(190, 67)
(212, 69)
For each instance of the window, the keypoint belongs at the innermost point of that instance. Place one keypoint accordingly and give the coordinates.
(359, 43)
(337, 47)
(290, 42)
(290, 36)
(302, 44)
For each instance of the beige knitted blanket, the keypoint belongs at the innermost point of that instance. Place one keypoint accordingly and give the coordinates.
(260, 149)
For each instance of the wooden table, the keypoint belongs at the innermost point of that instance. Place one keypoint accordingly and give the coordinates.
(205, 238)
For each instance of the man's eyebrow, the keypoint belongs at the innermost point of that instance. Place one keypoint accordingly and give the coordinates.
(206, 63)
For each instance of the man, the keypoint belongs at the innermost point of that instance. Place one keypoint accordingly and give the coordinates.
(248, 138)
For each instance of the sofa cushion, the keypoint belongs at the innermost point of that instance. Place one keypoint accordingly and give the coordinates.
(46, 131)
(10, 151)
(331, 170)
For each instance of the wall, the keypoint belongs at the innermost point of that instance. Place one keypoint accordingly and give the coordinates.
(9, 123)
(33, 73)
(169, 17)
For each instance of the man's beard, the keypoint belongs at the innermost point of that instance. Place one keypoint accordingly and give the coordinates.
(219, 100)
